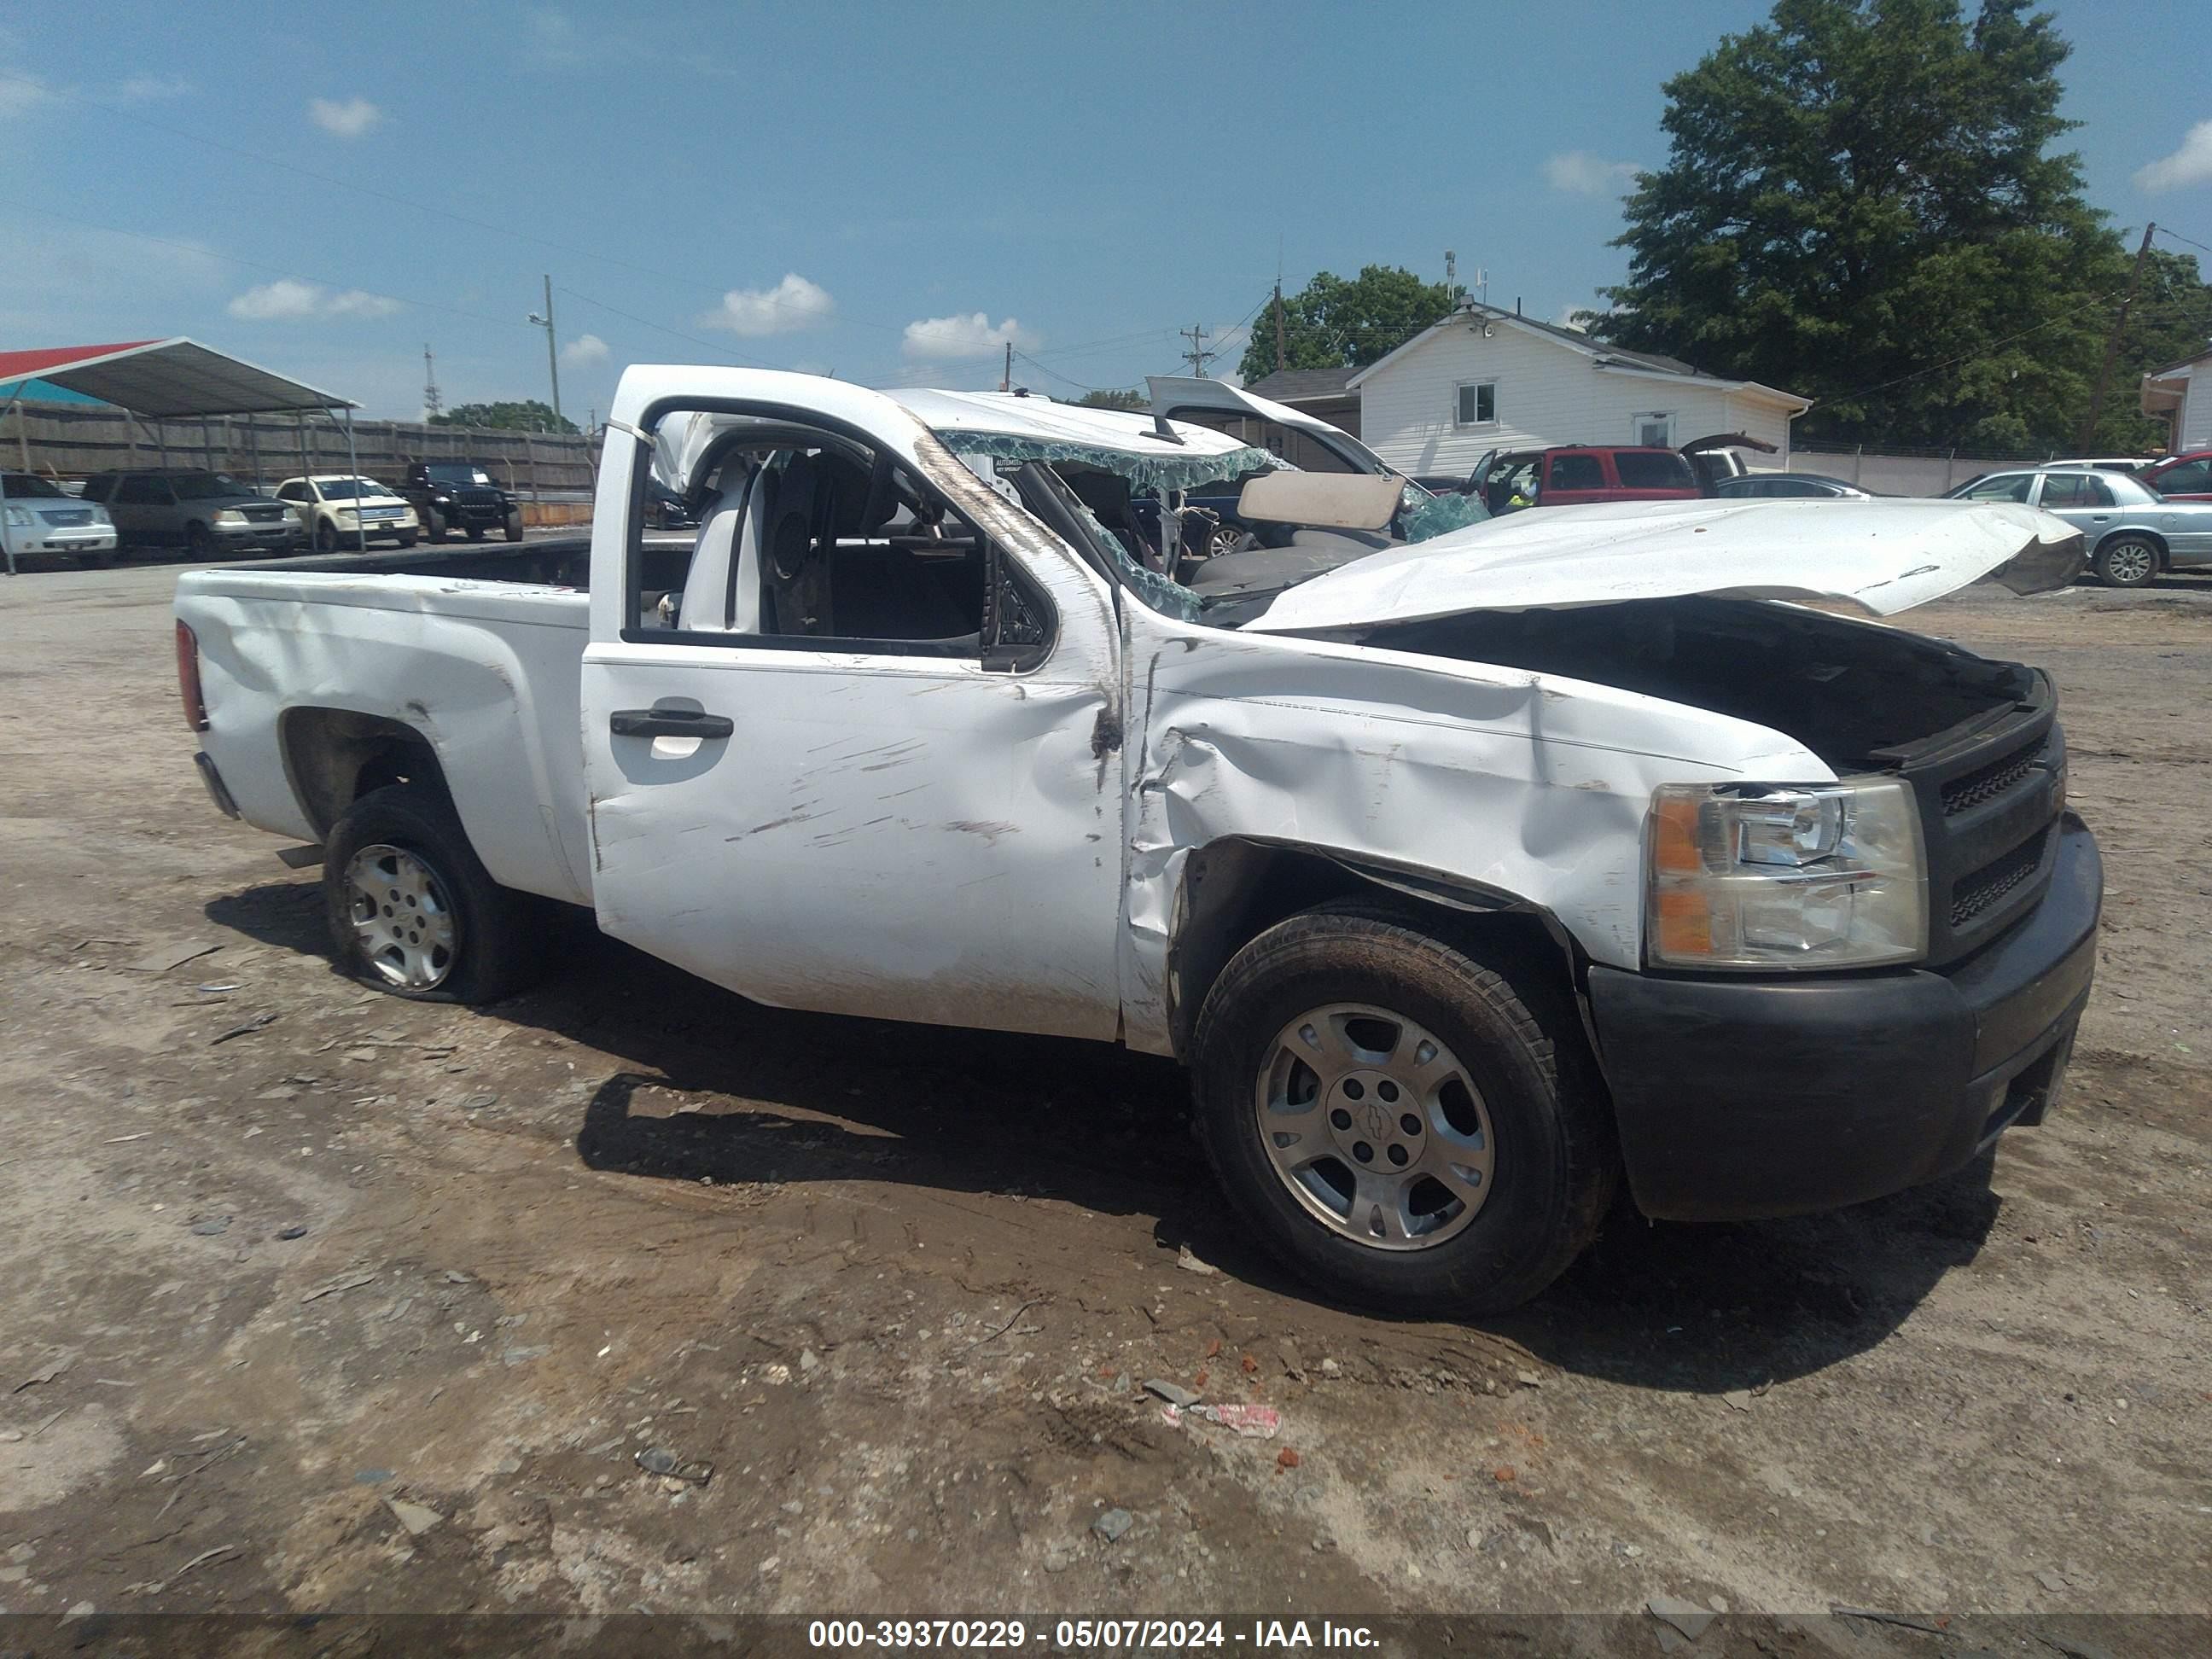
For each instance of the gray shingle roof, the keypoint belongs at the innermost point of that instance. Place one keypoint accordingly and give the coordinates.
(1290, 385)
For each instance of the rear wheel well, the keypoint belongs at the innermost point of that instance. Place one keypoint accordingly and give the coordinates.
(333, 757)
(1234, 890)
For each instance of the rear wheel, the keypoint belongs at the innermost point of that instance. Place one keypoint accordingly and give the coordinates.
(412, 909)
(1390, 1115)
(2127, 561)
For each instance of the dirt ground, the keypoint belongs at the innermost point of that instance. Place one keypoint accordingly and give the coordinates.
(313, 1299)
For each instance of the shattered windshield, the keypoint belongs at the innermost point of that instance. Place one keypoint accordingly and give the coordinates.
(1135, 507)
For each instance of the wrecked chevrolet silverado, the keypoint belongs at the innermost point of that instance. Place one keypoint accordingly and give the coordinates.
(1467, 872)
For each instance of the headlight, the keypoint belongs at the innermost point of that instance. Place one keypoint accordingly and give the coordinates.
(229, 515)
(100, 514)
(19, 517)
(1749, 876)
(291, 515)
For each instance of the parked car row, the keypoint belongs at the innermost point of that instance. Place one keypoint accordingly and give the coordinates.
(215, 515)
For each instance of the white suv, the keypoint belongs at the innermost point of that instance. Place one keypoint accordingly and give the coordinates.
(342, 511)
(37, 515)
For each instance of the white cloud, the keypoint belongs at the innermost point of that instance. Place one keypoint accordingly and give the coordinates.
(1565, 319)
(287, 299)
(349, 119)
(1579, 173)
(23, 94)
(552, 41)
(2191, 164)
(356, 303)
(939, 339)
(584, 351)
(793, 305)
(279, 299)
(147, 89)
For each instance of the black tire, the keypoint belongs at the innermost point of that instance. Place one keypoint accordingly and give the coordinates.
(99, 561)
(514, 526)
(1557, 1159)
(2127, 561)
(434, 524)
(407, 538)
(499, 932)
(199, 540)
(326, 536)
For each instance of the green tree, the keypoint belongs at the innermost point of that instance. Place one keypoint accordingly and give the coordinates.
(528, 416)
(1331, 323)
(1113, 398)
(1860, 202)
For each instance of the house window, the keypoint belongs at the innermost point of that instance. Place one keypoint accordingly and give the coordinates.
(1477, 404)
(1654, 428)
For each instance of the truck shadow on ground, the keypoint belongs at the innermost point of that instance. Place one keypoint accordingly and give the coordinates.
(718, 1089)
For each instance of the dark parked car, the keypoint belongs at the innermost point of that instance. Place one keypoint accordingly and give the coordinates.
(666, 510)
(450, 495)
(210, 512)
(1769, 486)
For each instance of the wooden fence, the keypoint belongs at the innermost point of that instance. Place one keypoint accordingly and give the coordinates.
(73, 441)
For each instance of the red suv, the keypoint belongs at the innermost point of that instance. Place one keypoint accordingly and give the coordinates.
(1571, 474)
(1583, 473)
(2182, 477)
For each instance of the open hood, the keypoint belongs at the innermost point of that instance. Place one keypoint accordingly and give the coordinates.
(1879, 557)
(1184, 397)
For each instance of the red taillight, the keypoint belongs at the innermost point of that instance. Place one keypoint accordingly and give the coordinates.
(188, 678)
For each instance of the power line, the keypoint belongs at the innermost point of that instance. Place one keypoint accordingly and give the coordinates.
(2164, 231)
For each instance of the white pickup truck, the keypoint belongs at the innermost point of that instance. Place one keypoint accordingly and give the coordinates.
(1465, 874)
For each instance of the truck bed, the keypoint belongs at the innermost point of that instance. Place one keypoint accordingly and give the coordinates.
(474, 651)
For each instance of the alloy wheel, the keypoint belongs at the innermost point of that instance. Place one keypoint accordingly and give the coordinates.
(1374, 1125)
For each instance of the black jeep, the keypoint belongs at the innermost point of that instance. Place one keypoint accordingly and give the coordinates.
(450, 495)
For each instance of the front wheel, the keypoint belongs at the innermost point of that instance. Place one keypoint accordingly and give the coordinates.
(412, 909)
(514, 526)
(1390, 1115)
(406, 538)
(200, 541)
(2126, 562)
(326, 536)
(433, 526)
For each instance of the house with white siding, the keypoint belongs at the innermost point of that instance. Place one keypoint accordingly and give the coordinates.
(2182, 393)
(1486, 378)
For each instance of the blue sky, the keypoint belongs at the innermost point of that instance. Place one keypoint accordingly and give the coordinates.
(888, 192)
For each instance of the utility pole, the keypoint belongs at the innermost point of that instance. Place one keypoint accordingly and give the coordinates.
(1282, 358)
(1006, 379)
(433, 405)
(2112, 343)
(552, 349)
(1199, 355)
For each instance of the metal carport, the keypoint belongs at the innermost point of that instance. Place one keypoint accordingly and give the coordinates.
(173, 379)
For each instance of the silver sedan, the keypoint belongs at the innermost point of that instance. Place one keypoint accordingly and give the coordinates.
(2133, 531)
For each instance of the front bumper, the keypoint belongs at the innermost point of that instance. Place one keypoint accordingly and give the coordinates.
(1741, 1099)
(65, 538)
(258, 535)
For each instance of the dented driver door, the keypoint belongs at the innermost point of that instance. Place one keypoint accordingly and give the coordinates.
(856, 831)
